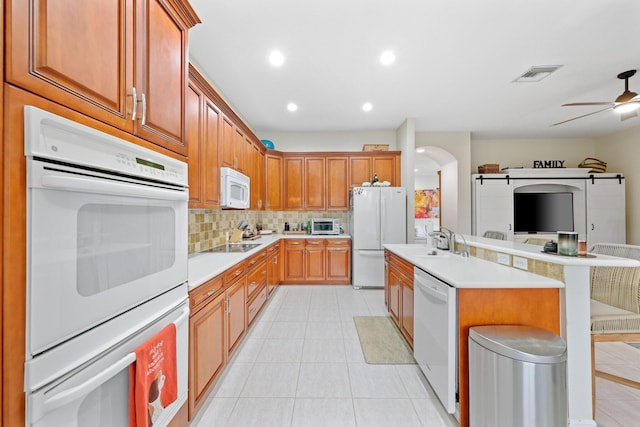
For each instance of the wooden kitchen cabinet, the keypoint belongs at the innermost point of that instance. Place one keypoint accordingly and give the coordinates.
(202, 135)
(314, 260)
(338, 268)
(236, 294)
(387, 167)
(363, 167)
(337, 183)
(393, 293)
(233, 148)
(273, 267)
(256, 174)
(93, 57)
(207, 349)
(294, 258)
(399, 293)
(273, 181)
(293, 183)
(304, 178)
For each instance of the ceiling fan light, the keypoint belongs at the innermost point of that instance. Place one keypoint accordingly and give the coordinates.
(627, 107)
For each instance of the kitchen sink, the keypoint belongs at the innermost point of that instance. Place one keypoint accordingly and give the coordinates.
(432, 253)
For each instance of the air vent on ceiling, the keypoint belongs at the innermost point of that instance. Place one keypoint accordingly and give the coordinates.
(535, 74)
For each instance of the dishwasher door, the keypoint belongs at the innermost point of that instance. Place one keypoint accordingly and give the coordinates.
(435, 338)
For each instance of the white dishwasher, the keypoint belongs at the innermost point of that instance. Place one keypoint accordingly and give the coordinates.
(435, 345)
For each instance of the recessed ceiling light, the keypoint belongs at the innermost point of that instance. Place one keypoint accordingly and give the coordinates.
(367, 106)
(276, 58)
(415, 170)
(292, 107)
(387, 57)
(419, 150)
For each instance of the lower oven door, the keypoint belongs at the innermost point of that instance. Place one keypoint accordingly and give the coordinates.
(97, 394)
(97, 246)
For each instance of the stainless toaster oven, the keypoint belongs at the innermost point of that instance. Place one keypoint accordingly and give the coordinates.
(325, 226)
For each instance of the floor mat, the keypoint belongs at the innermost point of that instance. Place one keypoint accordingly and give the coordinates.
(381, 341)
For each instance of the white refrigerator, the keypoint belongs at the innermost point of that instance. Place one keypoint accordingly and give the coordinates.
(377, 216)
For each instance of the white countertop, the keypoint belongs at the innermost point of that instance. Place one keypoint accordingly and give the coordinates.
(535, 252)
(470, 272)
(206, 265)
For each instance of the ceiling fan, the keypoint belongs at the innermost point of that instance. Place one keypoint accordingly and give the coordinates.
(627, 104)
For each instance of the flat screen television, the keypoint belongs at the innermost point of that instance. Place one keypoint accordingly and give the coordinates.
(542, 212)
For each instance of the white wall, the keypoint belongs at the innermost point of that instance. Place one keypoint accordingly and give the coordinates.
(426, 182)
(405, 137)
(327, 141)
(621, 151)
(455, 201)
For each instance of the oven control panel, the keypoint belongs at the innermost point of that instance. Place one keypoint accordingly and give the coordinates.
(56, 138)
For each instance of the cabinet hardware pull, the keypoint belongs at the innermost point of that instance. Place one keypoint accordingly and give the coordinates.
(211, 292)
(144, 110)
(134, 107)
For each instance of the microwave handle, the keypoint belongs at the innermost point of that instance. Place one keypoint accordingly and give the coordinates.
(73, 183)
(67, 396)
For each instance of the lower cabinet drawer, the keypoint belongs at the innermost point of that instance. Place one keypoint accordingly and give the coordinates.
(256, 278)
(254, 307)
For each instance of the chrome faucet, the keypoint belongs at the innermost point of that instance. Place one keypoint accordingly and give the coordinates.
(465, 249)
(445, 243)
(451, 238)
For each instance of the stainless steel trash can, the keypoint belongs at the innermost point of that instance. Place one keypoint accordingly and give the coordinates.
(517, 377)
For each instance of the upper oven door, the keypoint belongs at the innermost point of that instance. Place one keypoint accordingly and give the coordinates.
(97, 246)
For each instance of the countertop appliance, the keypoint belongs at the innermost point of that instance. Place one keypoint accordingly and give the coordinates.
(377, 216)
(325, 226)
(235, 189)
(434, 335)
(106, 269)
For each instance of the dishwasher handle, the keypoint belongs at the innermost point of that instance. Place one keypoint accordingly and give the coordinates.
(430, 287)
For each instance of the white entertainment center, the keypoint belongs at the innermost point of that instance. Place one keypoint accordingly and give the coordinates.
(525, 203)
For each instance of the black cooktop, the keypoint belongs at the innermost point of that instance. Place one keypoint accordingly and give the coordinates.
(234, 247)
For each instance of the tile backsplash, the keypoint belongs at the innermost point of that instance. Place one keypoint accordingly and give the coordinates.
(207, 227)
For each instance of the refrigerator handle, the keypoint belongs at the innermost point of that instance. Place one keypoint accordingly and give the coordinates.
(378, 228)
(383, 208)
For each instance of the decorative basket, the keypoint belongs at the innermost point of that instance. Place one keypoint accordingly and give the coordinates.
(375, 147)
(489, 168)
(596, 165)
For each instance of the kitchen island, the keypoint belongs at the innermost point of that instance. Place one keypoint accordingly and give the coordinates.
(546, 290)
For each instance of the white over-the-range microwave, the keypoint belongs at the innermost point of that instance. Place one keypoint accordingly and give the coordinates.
(234, 189)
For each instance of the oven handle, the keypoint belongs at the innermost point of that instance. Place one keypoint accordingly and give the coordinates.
(72, 183)
(67, 396)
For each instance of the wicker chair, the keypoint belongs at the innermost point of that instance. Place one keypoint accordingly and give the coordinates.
(615, 305)
(495, 235)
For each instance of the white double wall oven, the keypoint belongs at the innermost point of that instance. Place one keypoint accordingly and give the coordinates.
(106, 269)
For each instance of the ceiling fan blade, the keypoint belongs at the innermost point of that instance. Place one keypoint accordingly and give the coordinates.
(574, 104)
(579, 117)
(630, 114)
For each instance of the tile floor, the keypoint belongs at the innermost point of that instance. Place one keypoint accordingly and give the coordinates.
(301, 365)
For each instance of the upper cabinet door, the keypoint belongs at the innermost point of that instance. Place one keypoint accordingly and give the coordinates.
(314, 183)
(102, 58)
(75, 52)
(161, 68)
(294, 183)
(337, 183)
